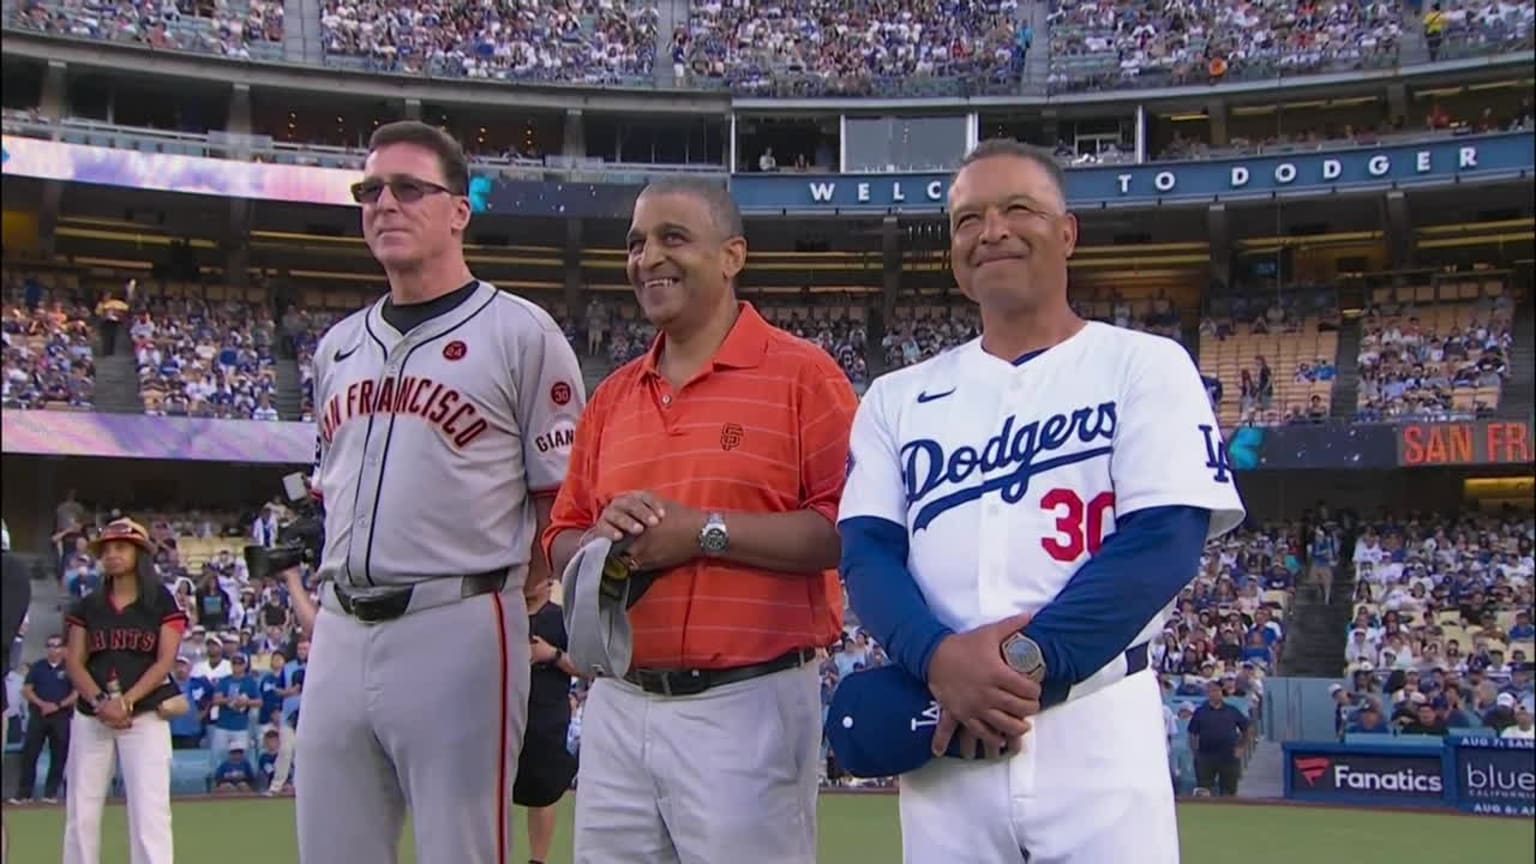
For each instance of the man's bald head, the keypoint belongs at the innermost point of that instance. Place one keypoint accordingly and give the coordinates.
(723, 211)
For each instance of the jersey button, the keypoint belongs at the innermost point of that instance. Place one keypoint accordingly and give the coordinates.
(666, 400)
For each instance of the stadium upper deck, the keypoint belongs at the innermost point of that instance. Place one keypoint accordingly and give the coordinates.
(817, 47)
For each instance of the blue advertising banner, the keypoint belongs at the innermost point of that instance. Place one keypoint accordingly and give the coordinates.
(1494, 776)
(1480, 774)
(1364, 774)
(1439, 161)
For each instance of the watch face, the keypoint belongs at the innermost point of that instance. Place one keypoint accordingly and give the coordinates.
(1023, 655)
(713, 541)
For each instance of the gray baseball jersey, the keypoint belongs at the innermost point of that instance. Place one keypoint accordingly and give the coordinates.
(431, 443)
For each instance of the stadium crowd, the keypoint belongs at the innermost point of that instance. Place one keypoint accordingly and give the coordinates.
(1238, 332)
(580, 41)
(207, 26)
(1412, 368)
(918, 334)
(814, 47)
(204, 358)
(1101, 45)
(1468, 27)
(48, 354)
(1442, 634)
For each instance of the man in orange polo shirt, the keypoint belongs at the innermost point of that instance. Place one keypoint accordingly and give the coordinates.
(722, 453)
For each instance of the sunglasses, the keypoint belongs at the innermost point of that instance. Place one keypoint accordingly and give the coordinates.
(406, 190)
(55, 644)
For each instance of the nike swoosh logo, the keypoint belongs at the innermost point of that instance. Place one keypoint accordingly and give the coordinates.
(932, 397)
(342, 355)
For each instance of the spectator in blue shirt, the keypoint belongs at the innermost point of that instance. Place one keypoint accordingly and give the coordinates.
(1343, 708)
(51, 699)
(234, 697)
(1218, 732)
(187, 730)
(1257, 649)
(1449, 704)
(82, 577)
(266, 763)
(271, 713)
(1324, 554)
(1522, 630)
(1369, 721)
(234, 774)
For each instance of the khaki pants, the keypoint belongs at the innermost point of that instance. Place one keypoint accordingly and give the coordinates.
(727, 775)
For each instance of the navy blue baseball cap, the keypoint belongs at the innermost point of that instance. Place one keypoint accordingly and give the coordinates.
(881, 723)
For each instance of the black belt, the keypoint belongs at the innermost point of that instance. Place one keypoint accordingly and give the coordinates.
(387, 604)
(690, 682)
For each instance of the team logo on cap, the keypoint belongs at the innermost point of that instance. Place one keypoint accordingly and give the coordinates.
(731, 435)
(455, 350)
(560, 394)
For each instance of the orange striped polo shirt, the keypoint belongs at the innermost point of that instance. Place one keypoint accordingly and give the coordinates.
(763, 428)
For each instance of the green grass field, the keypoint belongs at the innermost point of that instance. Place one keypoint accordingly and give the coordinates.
(862, 828)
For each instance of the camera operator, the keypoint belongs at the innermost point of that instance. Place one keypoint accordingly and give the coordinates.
(445, 412)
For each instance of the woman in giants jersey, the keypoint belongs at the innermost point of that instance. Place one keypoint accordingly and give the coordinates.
(122, 644)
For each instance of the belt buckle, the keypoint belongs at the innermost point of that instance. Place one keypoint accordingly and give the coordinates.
(651, 680)
(363, 610)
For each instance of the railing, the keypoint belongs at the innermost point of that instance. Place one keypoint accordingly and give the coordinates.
(261, 148)
(1261, 68)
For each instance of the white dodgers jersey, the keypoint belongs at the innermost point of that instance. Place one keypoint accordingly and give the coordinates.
(432, 442)
(1008, 477)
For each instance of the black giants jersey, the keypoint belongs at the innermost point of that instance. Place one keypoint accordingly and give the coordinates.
(125, 642)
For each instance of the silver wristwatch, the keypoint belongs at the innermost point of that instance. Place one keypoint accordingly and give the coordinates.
(714, 539)
(1023, 656)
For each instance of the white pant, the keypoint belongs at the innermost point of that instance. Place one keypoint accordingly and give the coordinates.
(726, 775)
(1090, 787)
(144, 749)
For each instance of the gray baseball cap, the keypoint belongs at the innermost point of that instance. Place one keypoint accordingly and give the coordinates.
(596, 623)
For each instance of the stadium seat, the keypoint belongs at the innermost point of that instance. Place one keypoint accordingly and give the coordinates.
(191, 772)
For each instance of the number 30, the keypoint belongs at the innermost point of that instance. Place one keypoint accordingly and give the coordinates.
(1082, 527)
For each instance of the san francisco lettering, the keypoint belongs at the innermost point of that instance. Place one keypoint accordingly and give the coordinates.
(437, 403)
(123, 639)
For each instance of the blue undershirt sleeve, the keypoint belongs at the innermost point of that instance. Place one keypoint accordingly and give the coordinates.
(884, 595)
(1141, 567)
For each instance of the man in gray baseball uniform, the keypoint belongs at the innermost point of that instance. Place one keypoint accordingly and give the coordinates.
(445, 413)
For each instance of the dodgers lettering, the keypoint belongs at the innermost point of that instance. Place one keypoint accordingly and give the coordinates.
(433, 401)
(926, 466)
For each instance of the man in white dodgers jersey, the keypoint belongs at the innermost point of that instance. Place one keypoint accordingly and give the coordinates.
(1020, 511)
(445, 413)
